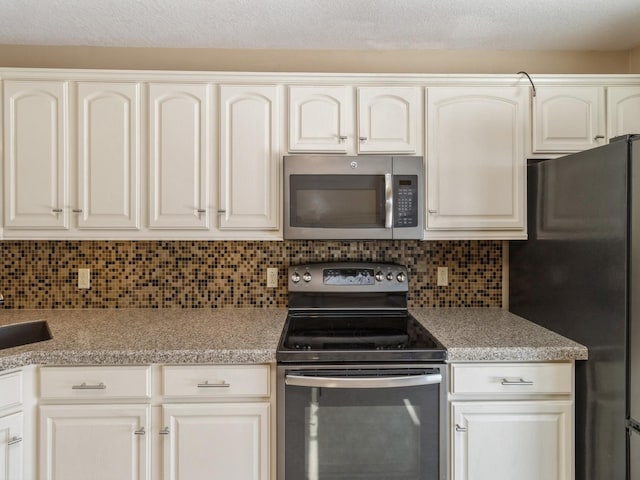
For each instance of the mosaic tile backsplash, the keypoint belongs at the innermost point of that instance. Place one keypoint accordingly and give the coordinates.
(216, 274)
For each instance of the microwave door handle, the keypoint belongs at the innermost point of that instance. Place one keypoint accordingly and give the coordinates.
(371, 382)
(388, 197)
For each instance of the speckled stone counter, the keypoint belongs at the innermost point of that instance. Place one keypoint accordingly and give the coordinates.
(140, 336)
(250, 335)
(481, 334)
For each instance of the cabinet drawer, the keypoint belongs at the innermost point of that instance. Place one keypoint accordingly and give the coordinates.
(95, 382)
(215, 381)
(10, 390)
(544, 378)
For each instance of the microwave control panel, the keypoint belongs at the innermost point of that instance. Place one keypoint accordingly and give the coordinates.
(405, 207)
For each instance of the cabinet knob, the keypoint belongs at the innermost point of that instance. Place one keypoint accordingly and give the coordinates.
(433, 212)
(76, 210)
(220, 384)
(201, 210)
(140, 432)
(599, 137)
(342, 138)
(222, 211)
(56, 210)
(14, 440)
(164, 431)
(364, 139)
(460, 429)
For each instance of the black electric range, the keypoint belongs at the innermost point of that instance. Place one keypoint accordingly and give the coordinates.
(353, 313)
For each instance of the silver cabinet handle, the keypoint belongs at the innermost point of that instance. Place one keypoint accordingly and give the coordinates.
(364, 139)
(598, 137)
(164, 431)
(520, 381)
(222, 384)
(84, 386)
(433, 212)
(76, 210)
(388, 200)
(201, 210)
(14, 440)
(222, 211)
(56, 210)
(460, 429)
(140, 432)
(342, 138)
(373, 382)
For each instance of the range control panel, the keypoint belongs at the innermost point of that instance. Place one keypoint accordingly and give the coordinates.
(348, 277)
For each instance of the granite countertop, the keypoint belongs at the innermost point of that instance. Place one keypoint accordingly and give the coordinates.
(250, 335)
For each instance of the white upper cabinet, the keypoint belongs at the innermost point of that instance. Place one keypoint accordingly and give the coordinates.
(388, 119)
(623, 111)
(108, 174)
(476, 162)
(249, 157)
(568, 118)
(320, 119)
(323, 119)
(36, 155)
(179, 156)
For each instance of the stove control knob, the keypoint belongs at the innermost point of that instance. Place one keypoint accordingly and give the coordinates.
(306, 277)
(295, 278)
(390, 276)
(379, 276)
(401, 277)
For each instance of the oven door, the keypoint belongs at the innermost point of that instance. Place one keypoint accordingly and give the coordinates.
(364, 422)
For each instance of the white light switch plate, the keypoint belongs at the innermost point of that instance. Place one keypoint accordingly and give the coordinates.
(443, 276)
(84, 278)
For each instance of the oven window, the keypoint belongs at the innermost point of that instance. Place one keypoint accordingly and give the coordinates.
(380, 433)
(335, 201)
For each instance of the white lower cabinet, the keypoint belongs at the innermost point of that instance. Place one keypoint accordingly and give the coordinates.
(12, 428)
(511, 421)
(508, 440)
(11, 447)
(158, 422)
(215, 441)
(100, 442)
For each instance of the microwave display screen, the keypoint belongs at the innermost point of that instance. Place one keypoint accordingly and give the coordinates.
(334, 201)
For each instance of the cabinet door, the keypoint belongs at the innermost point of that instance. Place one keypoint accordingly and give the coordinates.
(388, 119)
(320, 119)
(179, 156)
(623, 111)
(11, 449)
(100, 442)
(216, 441)
(568, 119)
(249, 157)
(508, 440)
(475, 159)
(36, 155)
(108, 155)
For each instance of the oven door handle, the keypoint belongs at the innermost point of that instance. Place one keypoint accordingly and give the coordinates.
(371, 382)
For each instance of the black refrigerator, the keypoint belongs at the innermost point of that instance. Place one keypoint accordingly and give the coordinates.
(579, 275)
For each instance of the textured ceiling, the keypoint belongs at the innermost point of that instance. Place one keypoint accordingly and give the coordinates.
(326, 24)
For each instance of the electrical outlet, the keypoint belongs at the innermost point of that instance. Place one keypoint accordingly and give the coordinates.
(443, 276)
(272, 278)
(84, 278)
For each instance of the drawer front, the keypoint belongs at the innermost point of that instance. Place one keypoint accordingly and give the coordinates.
(544, 378)
(126, 382)
(10, 390)
(215, 381)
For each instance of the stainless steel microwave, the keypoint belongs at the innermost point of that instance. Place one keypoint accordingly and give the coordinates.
(353, 197)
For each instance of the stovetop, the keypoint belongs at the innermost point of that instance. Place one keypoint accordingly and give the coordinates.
(356, 336)
(353, 312)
